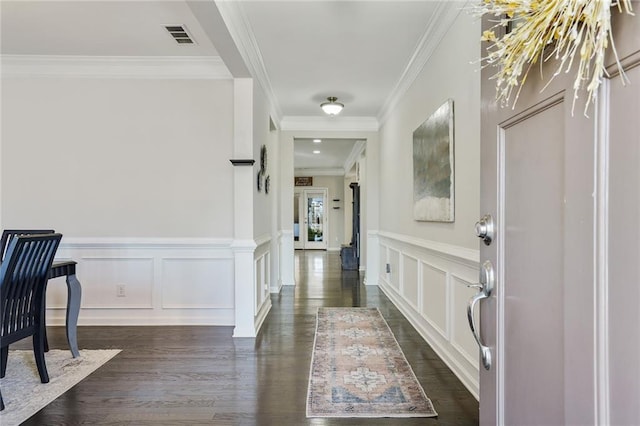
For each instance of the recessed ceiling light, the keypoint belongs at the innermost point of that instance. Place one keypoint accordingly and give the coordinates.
(316, 152)
(317, 140)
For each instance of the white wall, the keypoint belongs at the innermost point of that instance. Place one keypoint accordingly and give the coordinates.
(134, 173)
(262, 202)
(431, 263)
(117, 157)
(450, 73)
(263, 207)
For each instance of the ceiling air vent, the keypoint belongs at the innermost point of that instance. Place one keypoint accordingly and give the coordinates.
(179, 34)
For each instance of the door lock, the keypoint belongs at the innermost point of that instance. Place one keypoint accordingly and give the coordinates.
(485, 229)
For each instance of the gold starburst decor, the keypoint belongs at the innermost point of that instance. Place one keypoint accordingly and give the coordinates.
(549, 29)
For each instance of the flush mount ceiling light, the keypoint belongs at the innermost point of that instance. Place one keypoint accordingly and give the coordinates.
(317, 140)
(316, 152)
(332, 107)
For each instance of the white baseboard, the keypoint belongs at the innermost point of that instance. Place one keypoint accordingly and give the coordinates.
(262, 314)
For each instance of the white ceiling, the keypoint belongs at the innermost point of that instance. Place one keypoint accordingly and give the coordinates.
(355, 50)
(303, 51)
(98, 28)
(333, 153)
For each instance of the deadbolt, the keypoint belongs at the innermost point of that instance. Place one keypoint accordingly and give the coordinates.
(485, 229)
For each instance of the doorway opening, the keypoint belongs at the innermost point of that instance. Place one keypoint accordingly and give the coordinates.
(323, 170)
(310, 224)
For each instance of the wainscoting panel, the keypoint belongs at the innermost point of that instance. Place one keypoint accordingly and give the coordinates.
(102, 276)
(410, 280)
(434, 297)
(461, 338)
(431, 291)
(394, 265)
(258, 267)
(267, 277)
(384, 258)
(287, 266)
(262, 276)
(196, 283)
(147, 282)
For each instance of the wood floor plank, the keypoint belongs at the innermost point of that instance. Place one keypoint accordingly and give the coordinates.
(202, 375)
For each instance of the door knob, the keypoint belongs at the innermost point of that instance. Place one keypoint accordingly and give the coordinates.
(485, 229)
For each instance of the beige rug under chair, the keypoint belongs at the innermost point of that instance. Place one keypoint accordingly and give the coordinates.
(22, 391)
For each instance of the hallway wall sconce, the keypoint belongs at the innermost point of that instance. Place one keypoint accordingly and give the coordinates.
(332, 107)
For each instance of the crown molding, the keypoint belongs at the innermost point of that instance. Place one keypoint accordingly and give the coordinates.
(242, 34)
(354, 155)
(337, 171)
(445, 14)
(328, 124)
(160, 67)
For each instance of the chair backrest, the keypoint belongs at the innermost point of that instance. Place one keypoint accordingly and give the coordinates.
(23, 279)
(8, 234)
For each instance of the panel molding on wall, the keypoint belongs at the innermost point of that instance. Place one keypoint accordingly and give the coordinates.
(262, 277)
(460, 336)
(180, 275)
(437, 280)
(135, 273)
(287, 266)
(164, 281)
(428, 282)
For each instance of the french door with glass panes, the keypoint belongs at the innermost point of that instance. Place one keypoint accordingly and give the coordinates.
(310, 228)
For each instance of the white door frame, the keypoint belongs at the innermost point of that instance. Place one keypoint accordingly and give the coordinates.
(303, 196)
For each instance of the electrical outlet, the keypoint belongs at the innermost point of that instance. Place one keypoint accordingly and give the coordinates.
(388, 268)
(120, 290)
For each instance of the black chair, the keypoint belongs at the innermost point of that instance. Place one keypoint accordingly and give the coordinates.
(8, 234)
(23, 280)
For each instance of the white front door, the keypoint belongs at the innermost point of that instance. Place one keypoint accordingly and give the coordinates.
(310, 219)
(545, 323)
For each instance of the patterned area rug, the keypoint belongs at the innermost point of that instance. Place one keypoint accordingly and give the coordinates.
(359, 370)
(22, 391)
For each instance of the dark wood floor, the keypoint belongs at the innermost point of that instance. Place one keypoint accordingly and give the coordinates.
(203, 376)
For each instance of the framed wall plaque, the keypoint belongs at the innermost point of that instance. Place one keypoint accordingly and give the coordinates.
(303, 181)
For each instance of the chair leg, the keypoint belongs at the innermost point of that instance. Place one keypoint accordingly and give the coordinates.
(38, 352)
(1, 402)
(46, 341)
(4, 355)
(43, 313)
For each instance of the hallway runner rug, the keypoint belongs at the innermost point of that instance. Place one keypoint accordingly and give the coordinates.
(22, 391)
(359, 370)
